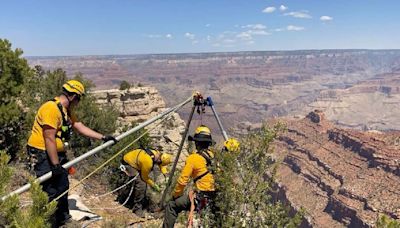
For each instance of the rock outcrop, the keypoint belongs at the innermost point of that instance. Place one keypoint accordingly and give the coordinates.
(340, 177)
(142, 103)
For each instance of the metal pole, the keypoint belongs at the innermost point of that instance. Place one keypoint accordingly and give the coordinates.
(211, 104)
(171, 174)
(99, 148)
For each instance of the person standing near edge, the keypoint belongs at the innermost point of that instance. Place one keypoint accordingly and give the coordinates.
(198, 168)
(51, 129)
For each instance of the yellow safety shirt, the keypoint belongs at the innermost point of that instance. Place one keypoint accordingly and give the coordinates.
(195, 166)
(142, 162)
(48, 114)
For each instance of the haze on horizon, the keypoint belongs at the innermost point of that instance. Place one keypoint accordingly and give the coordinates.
(101, 27)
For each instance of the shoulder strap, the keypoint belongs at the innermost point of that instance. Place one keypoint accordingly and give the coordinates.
(206, 156)
(201, 176)
(64, 121)
(60, 108)
(151, 154)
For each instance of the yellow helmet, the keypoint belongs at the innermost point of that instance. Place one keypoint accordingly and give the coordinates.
(231, 145)
(166, 159)
(201, 134)
(74, 86)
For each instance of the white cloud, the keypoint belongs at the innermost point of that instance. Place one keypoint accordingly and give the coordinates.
(255, 26)
(283, 8)
(195, 41)
(269, 9)
(189, 35)
(244, 36)
(258, 32)
(299, 14)
(208, 25)
(326, 18)
(153, 36)
(248, 35)
(208, 38)
(168, 36)
(279, 29)
(294, 28)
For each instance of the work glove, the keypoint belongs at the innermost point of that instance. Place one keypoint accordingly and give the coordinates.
(107, 138)
(58, 170)
(156, 188)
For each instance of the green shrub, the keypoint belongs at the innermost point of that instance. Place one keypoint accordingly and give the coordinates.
(124, 85)
(11, 214)
(386, 222)
(244, 182)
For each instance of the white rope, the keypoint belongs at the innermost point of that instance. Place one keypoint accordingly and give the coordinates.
(120, 187)
(126, 201)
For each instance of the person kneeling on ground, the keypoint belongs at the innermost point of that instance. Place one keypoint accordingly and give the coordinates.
(141, 161)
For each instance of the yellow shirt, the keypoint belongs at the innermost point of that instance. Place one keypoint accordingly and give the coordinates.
(142, 162)
(48, 114)
(195, 166)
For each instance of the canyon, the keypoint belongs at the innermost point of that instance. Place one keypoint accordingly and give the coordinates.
(339, 157)
(351, 86)
(340, 177)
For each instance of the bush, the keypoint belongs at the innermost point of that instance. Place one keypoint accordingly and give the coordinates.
(386, 222)
(124, 85)
(11, 214)
(244, 181)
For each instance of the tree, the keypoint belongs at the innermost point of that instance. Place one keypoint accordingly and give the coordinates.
(124, 85)
(13, 71)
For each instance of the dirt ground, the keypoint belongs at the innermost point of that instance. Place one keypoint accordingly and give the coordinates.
(112, 213)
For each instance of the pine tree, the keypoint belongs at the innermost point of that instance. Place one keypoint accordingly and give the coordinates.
(13, 71)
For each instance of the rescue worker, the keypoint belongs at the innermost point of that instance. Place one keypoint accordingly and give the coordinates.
(51, 129)
(141, 161)
(198, 167)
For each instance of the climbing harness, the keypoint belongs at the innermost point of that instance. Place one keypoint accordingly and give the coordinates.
(66, 124)
(208, 158)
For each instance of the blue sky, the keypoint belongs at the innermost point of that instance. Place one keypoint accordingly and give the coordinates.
(96, 27)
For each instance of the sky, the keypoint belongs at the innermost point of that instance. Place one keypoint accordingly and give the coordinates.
(105, 27)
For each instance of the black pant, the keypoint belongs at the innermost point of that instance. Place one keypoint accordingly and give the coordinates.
(139, 193)
(182, 203)
(55, 186)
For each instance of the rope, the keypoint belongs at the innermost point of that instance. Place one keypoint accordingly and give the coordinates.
(120, 187)
(113, 157)
(126, 200)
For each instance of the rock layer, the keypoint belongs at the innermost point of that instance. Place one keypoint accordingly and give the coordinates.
(340, 177)
(142, 103)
